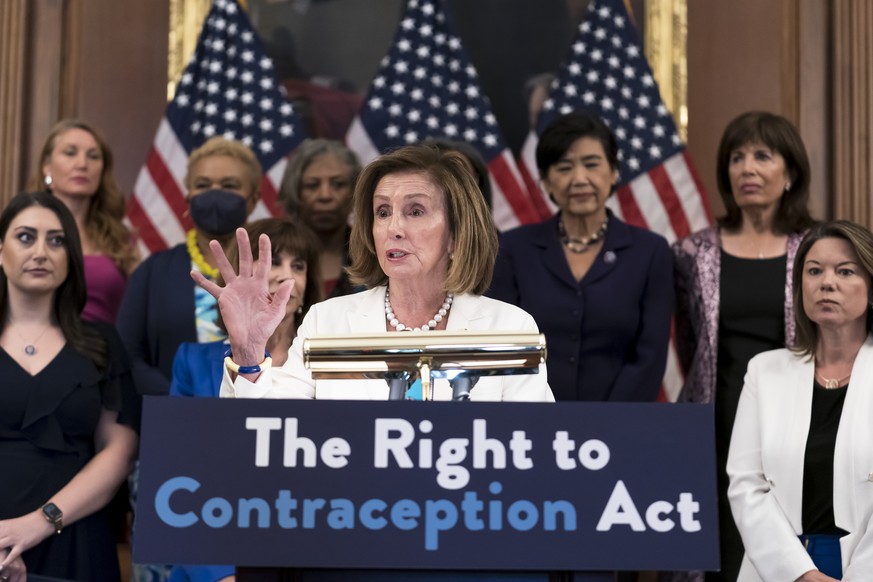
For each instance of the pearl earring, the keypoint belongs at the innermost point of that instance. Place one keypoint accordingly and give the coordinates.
(48, 181)
(787, 186)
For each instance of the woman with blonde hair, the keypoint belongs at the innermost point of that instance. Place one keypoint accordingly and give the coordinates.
(75, 165)
(162, 307)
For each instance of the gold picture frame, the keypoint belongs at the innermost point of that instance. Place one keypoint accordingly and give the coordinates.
(666, 39)
(186, 21)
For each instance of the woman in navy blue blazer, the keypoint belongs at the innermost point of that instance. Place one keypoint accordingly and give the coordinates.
(601, 290)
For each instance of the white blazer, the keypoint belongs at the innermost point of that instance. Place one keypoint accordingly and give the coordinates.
(364, 312)
(765, 465)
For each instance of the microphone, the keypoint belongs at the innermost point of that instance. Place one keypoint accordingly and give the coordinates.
(461, 387)
(398, 384)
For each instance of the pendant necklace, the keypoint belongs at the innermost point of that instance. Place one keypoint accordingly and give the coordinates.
(832, 383)
(30, 348)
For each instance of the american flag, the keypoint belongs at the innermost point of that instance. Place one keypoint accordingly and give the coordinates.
(427, 87)
(228, 89)
(606, 73)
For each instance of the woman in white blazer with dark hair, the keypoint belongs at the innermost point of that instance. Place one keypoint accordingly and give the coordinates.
(424, 244)
(801, 455)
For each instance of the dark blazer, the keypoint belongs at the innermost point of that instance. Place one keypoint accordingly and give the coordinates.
(156, 315)
(606, 335)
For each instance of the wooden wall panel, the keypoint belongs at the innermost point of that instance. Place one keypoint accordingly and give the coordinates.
(734, 65)
(45, 65)
(101, 60)
(813, 106)
(853, 110)
(13, 34)
(122, 84)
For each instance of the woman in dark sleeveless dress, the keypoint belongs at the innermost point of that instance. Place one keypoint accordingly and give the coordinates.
(67, 407)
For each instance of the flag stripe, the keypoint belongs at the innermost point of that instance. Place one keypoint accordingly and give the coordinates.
(269, 196)
(629, 208)
(501, 168)
(145, 230)
(663, 187)
(685, 179)
(228, 89)
(673, 377)
(427, 87)
(163, 221)
(172, 152)
(651, 206)
(359, 140)
(528, 168)
(605, 72)
(167, 185)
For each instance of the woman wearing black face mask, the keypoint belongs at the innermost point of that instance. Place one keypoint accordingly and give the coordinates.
(162, 307)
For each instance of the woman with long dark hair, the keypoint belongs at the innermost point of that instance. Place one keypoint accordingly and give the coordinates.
(67, 409)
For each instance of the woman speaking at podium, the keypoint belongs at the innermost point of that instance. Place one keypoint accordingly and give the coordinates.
(424, 245)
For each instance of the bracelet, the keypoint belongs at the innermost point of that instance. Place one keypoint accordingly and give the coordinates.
(237, 369)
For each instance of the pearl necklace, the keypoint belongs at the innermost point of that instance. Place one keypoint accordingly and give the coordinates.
(434, 321)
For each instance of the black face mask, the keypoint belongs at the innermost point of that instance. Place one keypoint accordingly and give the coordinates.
(218, 212)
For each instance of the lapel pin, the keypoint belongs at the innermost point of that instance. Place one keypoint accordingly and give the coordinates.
(609, 257)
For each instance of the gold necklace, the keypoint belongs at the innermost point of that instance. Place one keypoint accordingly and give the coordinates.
(831, 383)
(197, 256)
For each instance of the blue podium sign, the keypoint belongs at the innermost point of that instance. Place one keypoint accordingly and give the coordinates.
(495, 486)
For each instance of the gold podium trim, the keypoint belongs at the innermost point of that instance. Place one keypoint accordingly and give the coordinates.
(447, 354)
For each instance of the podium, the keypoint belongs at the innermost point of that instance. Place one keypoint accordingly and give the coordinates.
(437, 486)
